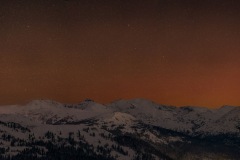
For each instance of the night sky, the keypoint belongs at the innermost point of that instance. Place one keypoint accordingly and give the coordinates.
(178, 52)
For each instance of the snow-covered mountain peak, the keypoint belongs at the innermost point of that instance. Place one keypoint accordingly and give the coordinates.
(194, 109)
(226, 108)
(42, 103)
(120, 129)
(9, 109)
(182, 119)
(88, 105)
(134, 104)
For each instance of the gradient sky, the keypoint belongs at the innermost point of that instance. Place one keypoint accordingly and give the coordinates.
(170, 51)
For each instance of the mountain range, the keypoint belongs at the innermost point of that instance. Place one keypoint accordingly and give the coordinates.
(135, 129)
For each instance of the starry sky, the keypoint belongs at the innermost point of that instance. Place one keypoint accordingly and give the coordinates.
(173, 52)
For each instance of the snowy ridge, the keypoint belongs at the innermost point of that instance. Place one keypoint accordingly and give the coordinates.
(110, 129)
(187, 119)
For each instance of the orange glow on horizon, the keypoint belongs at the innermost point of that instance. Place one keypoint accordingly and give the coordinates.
(182, 53)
